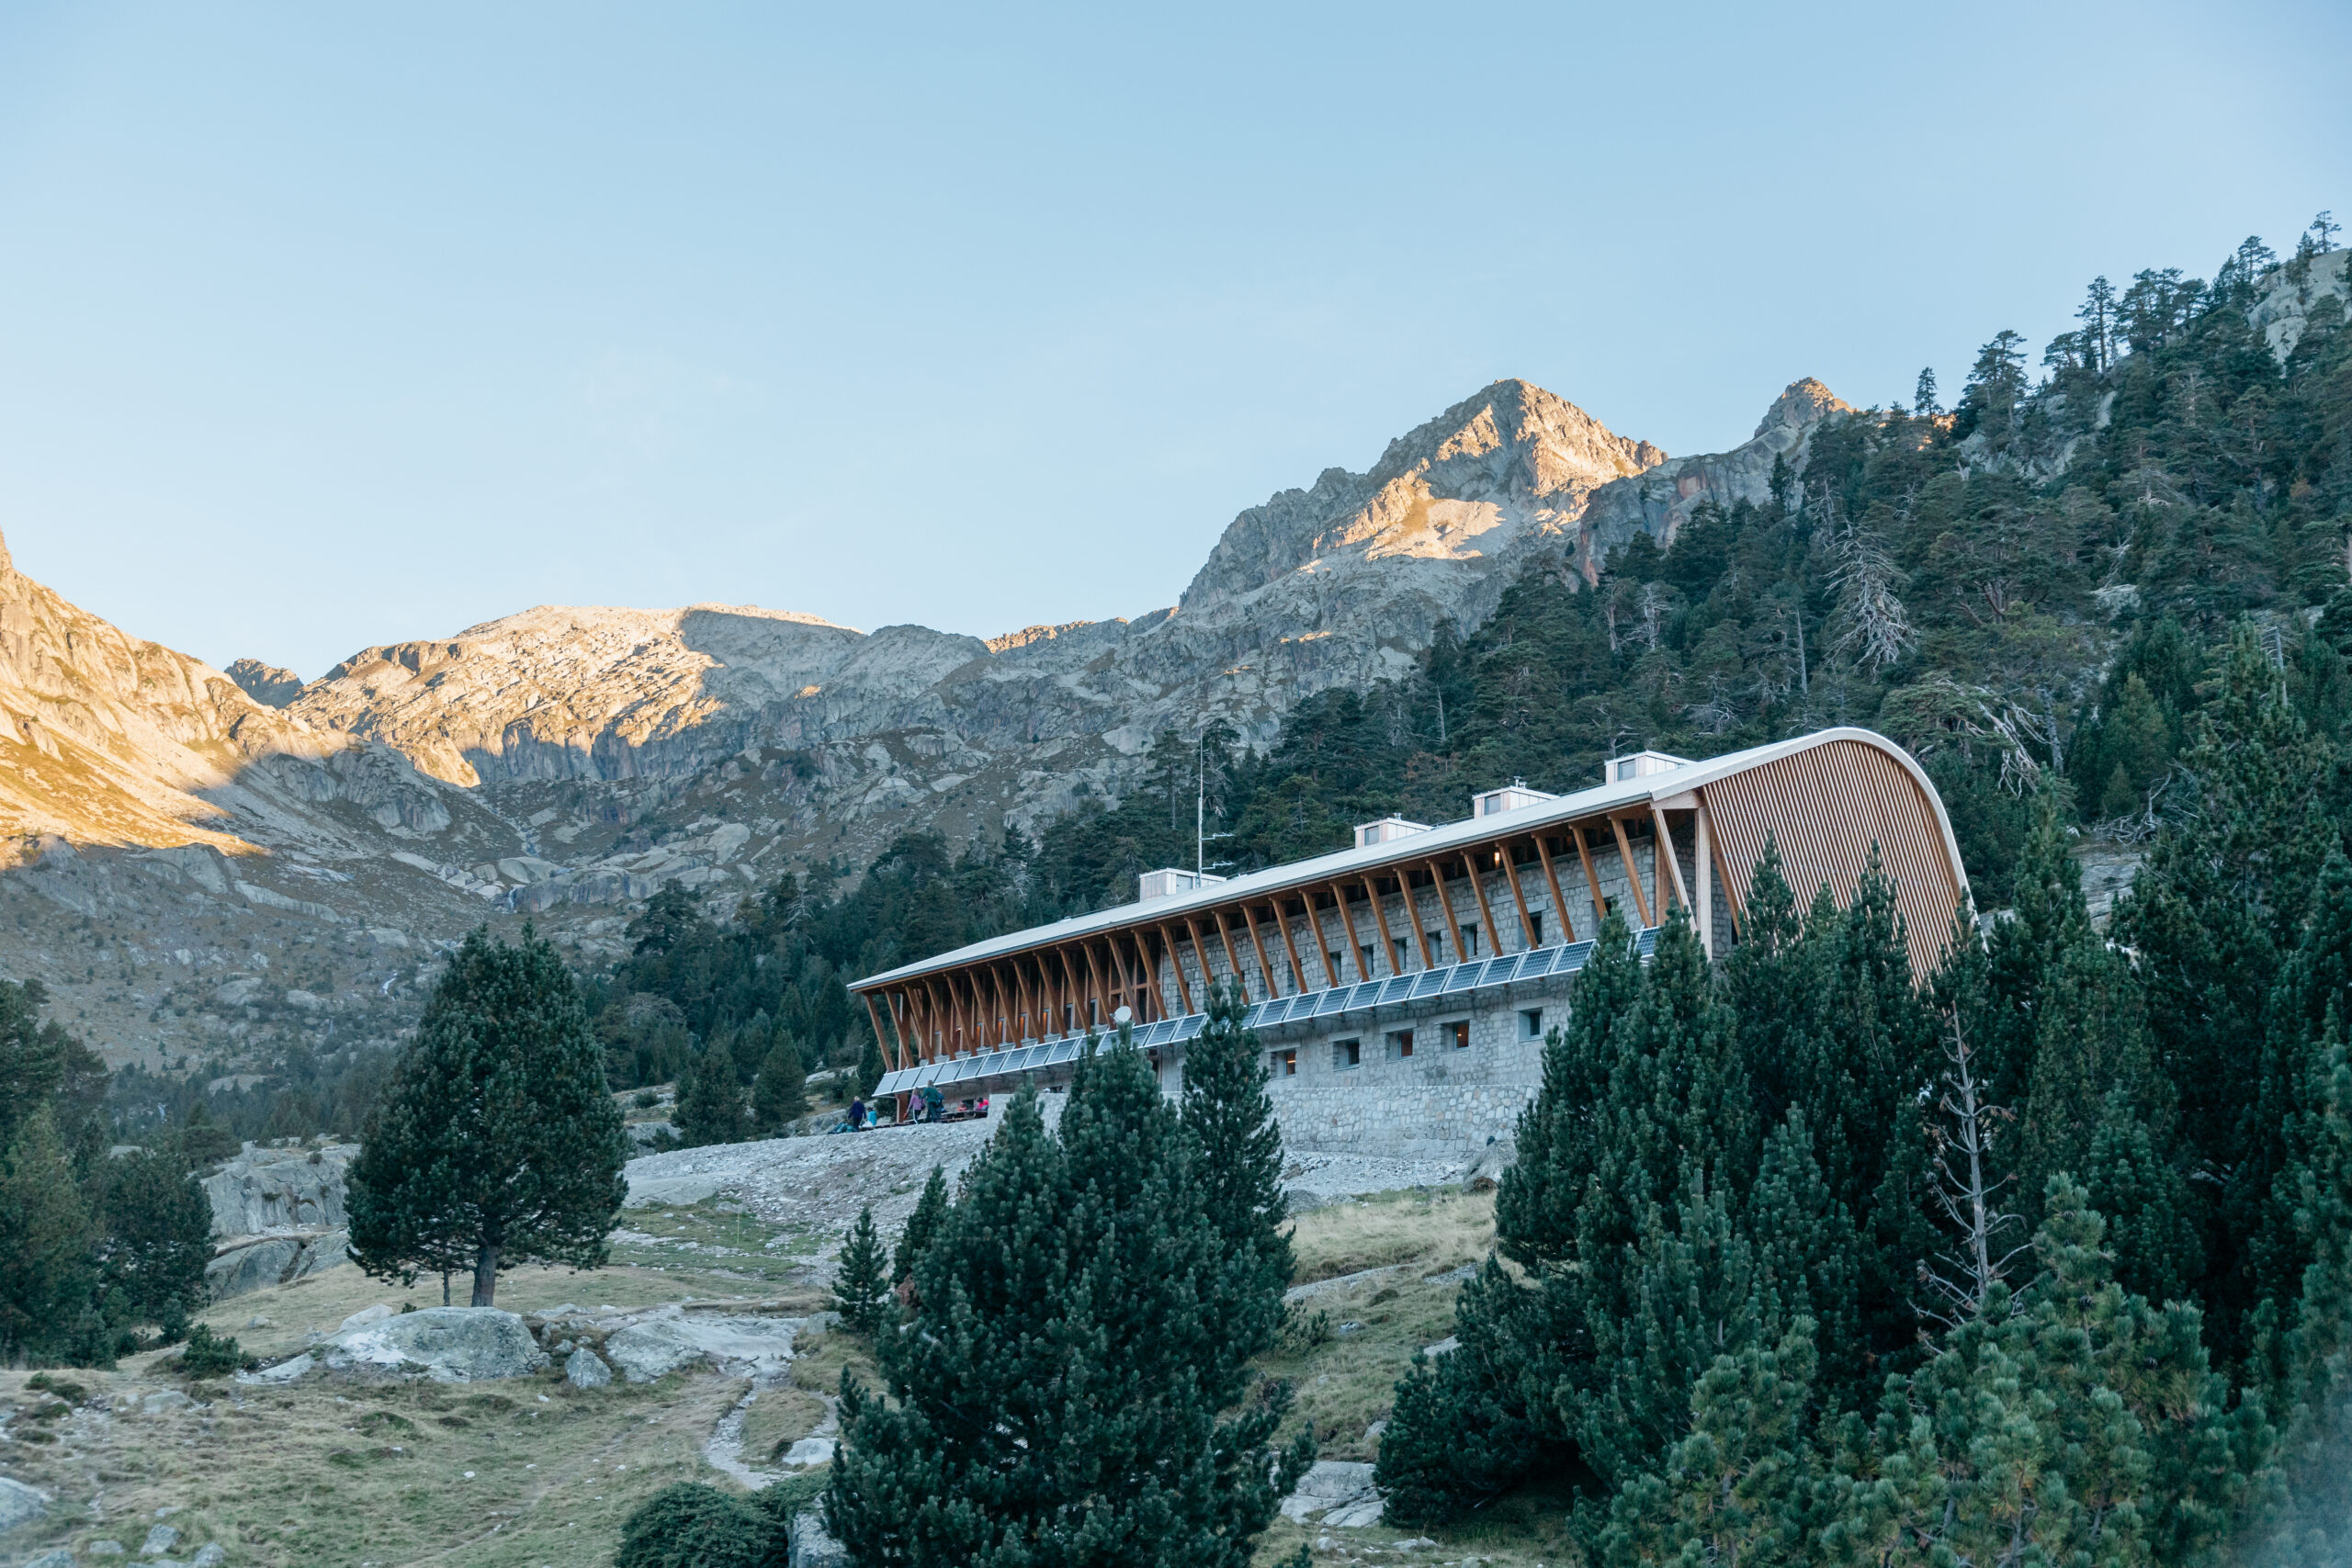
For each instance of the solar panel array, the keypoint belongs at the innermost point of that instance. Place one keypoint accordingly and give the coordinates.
(1427, 984)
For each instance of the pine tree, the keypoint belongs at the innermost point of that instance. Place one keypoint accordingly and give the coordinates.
(2316, 1381)
(870, 1069)
(157, 1238)
(1808, 1255)
(48, 1291)
(922, 1225)
(710, 1102)
(1066, 1297)
(1237, 1163)
(2283, 1108)
(498, 1143)
(1736, 1490)
(781, 1092)
(2158, 1253)
(860, 1289)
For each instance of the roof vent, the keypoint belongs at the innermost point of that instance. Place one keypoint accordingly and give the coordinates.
(1170, 882)
(1639, 765)
(1510, 797)
(1386, 829)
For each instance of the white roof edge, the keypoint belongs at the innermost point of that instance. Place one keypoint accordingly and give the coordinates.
(1419, 846)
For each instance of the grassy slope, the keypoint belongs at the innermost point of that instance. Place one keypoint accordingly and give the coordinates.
(340, 1472)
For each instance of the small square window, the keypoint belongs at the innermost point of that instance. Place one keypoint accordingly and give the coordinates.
(1535, 925)
(1469, 942)
(1346, 1053)
(1530, 1024)
(1283, 1064)
(1400, 1043)
(1460, 1029)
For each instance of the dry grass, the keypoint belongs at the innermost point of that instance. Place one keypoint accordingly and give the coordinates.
(1438, 1230)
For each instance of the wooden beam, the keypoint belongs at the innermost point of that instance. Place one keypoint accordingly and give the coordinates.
(1702, 867)
(1315, 929)
(1413, 914)
(1478, 887)
(1732, 891)
(1552, 878)
(1176, 962)
(1444, 910)
(1095, 992)
(1662, 851)
(1510, 874)
(1633, 872)
(874, 1017)
(1232, 959)
(1380, 920)
(1118, 966)
(1265, 970)
(1347, 924)
(1297, 970)
(1591, 878)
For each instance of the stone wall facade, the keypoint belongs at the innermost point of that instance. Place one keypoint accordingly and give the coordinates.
(1445, 1099)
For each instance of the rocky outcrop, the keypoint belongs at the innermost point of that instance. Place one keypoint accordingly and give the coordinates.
(266, 684)
(268, 1192)
(1661, 499)
(446, 1344)
(2291, 290)
(256, 1263)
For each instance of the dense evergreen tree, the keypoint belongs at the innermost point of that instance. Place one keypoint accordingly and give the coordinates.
(46, 1279)
(1236, 1164)
(781, 1092)
(922, 1225)
(711, 1107)
(861, 1287)
(157, 1238)
(499, 1142)
(1072, 1294)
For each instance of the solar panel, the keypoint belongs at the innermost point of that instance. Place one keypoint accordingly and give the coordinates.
(1464, 978)
(1429, 982)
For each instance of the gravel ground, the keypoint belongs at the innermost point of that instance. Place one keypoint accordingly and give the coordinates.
(823, 1182)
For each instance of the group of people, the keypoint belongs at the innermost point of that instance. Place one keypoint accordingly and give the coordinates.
(929, 1105)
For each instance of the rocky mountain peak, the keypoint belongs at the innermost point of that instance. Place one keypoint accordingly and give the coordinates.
(266, 684)
(1803, 405)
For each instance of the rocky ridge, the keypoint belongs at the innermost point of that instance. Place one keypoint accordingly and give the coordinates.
(565, 763)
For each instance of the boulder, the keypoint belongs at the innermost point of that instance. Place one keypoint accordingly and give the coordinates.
(582, 1369)
(644, 1190)
(1486, 1172)
(446, 1344)
(262, 1192)
(169, 1399)
(57, 1557)
(667, 1340)
(159, 1539)
(810, 1547)
(275, 1260)
(1341, 1491)
(20, 1504)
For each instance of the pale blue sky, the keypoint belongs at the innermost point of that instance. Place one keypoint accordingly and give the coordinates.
(322, 326)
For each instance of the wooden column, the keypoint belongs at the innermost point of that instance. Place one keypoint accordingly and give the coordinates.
(1703, 863)
(1232, 959)
(1176, 962)
(1380, 920)
(1265, 970)
(1444, 909)
(1633, 872)
(1478, 887)
(1315, 929)
(1732, 891)
(1662, 853)
(1297, 970)
(1591, 879)
(1510, 874)
(1552, 879)
(1413, 915)
(874, 1017)
(1348, 925)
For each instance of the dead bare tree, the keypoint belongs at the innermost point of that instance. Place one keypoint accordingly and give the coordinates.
(1961, 1146)
(1877, 628)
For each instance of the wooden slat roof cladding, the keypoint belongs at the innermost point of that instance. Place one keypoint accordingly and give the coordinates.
(1825, 807)
(1824, 797)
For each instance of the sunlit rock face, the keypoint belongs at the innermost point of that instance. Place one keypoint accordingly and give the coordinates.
(564, 763)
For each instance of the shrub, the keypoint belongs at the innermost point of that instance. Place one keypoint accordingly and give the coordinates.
(209, 1355)
(692, 1526)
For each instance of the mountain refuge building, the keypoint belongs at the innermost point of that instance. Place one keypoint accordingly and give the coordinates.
(1402, 987)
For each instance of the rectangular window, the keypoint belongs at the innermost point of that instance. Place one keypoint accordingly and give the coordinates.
(1341, 973)
(1437, 945)
(1400, 1043)
(1346, 1053)
(1284, 1064)
(1460, 1029)
(1364, 950)
(1536, 924)
(1396, 951)
(1530, 1024)
(1469, 942)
